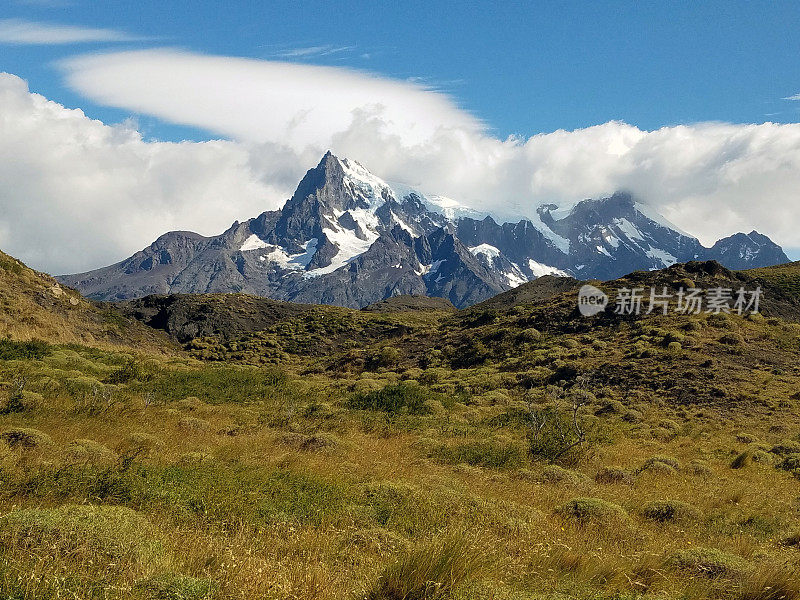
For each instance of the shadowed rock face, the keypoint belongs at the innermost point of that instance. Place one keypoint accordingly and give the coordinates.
(348, 238)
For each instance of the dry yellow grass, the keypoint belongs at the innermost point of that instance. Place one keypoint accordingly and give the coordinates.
(352, 507)
(263, 483)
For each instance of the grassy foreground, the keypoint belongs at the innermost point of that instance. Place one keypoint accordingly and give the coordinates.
(392, 471)
(412, 452)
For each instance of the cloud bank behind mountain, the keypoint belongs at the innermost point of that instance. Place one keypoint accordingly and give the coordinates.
(77, 194)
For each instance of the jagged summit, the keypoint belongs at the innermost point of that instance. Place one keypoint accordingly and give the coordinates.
(348, 237)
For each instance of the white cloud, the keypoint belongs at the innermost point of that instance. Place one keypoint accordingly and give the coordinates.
(794, 97)
(69, 176)
(261, 101)
(78, 194)
(22, 32)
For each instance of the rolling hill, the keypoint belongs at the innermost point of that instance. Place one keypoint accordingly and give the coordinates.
(33, 305)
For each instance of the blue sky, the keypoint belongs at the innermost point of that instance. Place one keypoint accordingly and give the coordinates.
(503, 106)
(521, 67)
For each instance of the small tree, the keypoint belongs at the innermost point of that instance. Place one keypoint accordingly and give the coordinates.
(15, 402)
(556, 429)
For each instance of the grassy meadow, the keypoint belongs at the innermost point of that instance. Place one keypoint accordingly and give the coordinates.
(294, 464)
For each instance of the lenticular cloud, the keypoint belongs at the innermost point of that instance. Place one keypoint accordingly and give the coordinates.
(711, 179)
(262, 101)
(77, 194)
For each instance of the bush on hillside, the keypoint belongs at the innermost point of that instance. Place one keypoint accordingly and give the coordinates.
(31, 350)
(395, 399)
(554, 434)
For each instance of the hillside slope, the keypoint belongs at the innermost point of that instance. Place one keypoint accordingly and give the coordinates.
(33, 305)
(785, 277)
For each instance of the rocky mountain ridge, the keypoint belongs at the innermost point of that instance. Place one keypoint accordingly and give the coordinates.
(348, 238)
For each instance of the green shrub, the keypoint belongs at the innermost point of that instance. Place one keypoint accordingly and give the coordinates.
(430, 571)
(32, 350)
(674, 336)
(132, 370)
(672, 427)
(632, 416)
(472, 353)
(10, 264)
(592, 510)
(692, 326)
(719, 320)
(388, 356)
(403, 397)
(669, 511)
(432, 376)
(731, 339)
(612, 407)
(529, 335)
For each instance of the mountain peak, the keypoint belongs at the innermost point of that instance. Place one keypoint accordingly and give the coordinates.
(348, 237)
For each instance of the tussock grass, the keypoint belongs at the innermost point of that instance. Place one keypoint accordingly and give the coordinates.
(268, 482)
(430, 571)
(769, 582)
(594, 511)
(27, 438)
(708, 562)
(670, 511)
(489, 453)
(114, 536)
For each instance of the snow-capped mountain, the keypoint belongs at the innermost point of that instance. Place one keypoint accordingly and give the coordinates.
(346, 237)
